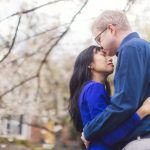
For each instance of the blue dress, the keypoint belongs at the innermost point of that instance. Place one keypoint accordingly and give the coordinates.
(92, 101)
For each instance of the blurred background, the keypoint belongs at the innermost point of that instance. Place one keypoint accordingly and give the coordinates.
(39, 41)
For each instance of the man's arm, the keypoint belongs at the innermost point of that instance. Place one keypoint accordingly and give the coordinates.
(121, 131)
(128, 87)
(96, 102)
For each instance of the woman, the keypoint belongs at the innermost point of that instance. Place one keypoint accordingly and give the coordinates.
(90, 95)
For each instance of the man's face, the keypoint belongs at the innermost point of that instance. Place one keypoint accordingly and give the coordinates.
(107, 39)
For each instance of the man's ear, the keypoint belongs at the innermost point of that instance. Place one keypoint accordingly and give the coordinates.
(111, 28)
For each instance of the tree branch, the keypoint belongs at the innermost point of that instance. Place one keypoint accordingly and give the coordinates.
(13, 41)
(46, 55)
(18, 85)
(129, 5)
(61, 36)
(30, 10)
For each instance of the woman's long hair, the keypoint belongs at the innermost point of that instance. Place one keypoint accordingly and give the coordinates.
(81, 74)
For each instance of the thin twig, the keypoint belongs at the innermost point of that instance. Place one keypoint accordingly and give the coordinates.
(13, 41)
(47, 53)
(30, 10)
(129, 5)
(18, 85)
(61, 36)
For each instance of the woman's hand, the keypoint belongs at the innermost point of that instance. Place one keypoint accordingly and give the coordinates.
(86, 143)
(146, 105)
(144, 110)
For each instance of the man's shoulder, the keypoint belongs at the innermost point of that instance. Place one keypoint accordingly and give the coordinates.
(136, 43)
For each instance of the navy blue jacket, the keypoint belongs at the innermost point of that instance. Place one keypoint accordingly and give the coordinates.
(132, 87)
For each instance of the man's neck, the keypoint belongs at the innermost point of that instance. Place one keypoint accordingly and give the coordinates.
(122, 35)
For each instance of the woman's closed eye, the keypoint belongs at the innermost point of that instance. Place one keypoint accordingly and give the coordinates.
(102, 53)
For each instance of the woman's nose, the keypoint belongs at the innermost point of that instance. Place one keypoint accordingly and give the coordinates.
(109, 58)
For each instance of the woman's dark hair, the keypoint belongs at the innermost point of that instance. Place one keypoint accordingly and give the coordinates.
(81, 74)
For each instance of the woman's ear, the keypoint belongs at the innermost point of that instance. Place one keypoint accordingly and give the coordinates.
(89, 66)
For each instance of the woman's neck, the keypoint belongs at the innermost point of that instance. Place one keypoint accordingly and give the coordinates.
(101, 78)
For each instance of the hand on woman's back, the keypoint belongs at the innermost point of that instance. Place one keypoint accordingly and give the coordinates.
(146, 105)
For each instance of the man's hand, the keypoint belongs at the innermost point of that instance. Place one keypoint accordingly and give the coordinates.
(86, 143)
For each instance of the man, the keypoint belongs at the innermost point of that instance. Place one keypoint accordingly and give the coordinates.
(113, 32)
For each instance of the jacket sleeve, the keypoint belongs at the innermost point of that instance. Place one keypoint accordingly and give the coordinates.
(97, 104)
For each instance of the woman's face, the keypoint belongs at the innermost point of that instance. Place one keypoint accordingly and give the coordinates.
(102, 63)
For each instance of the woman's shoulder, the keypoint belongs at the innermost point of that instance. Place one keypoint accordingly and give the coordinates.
(92, 92)
(95, 92)
(92, 86)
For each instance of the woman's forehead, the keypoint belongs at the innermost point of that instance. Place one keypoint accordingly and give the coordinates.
(100, 51)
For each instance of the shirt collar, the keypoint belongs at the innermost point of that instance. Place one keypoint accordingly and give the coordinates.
(128, 38)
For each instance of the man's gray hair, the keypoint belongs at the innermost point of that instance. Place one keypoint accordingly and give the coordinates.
(111, 17)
